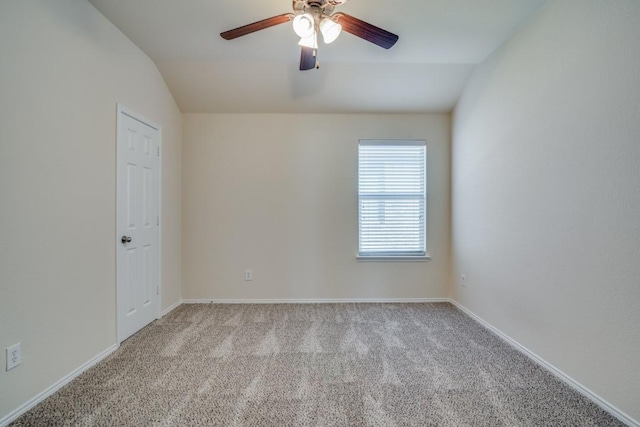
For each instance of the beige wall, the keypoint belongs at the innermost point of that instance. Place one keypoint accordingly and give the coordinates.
(277, 193)
(63, 69)
(546, 193)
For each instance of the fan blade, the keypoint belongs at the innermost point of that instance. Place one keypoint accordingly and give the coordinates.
(366, 31)
(256, 26)
(307, 59)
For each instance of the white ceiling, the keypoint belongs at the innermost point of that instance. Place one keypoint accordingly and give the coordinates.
(440, 42)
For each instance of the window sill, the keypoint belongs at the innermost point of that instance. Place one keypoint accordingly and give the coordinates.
(424, 258)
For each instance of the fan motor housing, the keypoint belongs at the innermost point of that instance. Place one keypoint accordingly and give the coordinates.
(326, 6)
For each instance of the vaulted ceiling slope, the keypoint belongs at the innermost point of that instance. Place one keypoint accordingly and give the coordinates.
(440, 43)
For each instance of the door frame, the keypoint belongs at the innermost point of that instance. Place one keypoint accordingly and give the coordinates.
(120, 110)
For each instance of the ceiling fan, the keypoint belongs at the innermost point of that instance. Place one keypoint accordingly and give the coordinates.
(311, 17)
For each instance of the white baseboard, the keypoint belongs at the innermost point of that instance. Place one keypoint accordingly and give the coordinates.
(171, 308)
(555, 371)
(314, 300)
(12, 416)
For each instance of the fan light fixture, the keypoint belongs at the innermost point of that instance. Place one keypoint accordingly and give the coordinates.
(313, 17)
(330, 30)
(304, 25)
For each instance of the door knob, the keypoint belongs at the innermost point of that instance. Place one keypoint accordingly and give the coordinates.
(125, 239)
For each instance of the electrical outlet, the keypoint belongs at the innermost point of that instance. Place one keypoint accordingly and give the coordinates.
(463, 280)
(14, 356)
(248, 275)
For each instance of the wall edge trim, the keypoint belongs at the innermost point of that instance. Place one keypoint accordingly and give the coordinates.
(171, 308)
(20, 410)
(312, 300)
(602, 403)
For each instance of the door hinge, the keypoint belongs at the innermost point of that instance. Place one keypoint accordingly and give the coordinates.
(157, 220)
(157, 290)
(158, 151)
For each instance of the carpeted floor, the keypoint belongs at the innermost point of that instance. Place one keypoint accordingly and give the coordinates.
(316, 365)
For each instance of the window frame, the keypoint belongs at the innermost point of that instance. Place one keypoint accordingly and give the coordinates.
(387, 256)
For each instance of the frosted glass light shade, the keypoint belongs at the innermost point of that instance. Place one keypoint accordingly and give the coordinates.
(311, 41)
(330, 30)
(303, 25)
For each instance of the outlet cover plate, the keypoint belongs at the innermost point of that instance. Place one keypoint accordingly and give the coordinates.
(14, 356)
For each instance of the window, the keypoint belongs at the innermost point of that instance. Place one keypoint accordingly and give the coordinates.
(392, 199)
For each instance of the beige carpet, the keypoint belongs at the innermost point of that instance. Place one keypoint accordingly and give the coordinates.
(316, 365)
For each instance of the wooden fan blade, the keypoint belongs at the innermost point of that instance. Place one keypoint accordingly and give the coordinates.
(366, 31)
(256, 26)
(307, 59)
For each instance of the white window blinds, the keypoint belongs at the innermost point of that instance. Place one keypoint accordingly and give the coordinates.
(392, 198)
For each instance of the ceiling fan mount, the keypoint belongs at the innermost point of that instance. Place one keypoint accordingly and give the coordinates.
(311, 17)
(326, 6)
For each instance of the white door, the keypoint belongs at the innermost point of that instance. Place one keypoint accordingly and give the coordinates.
(137, 237)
